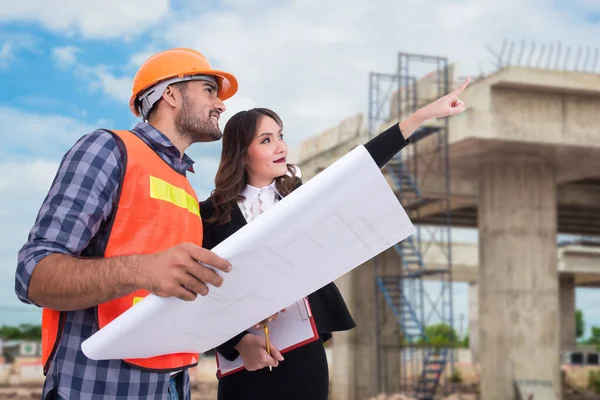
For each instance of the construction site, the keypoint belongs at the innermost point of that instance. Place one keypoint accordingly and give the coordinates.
(521, 166)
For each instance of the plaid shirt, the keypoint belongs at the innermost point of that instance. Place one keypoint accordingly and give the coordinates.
(72, 221)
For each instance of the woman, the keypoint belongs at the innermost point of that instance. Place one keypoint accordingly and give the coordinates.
(252, 177)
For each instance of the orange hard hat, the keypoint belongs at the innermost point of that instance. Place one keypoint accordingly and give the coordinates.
(177, 65)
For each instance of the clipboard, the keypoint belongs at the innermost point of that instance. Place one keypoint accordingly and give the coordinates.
(292, 329)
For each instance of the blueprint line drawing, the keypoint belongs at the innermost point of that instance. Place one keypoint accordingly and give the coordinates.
(330, 225)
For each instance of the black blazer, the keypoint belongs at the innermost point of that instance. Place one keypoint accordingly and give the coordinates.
(328, 306)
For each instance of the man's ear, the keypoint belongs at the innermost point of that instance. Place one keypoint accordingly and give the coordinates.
(170, 96)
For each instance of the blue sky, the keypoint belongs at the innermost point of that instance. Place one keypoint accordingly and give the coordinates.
(66, 70)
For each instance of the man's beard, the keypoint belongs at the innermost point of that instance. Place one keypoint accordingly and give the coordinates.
(194, 127)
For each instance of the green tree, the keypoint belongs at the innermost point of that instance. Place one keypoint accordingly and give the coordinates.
(21, 332)
(441, 335)
(33, 332)
(595, 337)
(10, 333)
(579, 323)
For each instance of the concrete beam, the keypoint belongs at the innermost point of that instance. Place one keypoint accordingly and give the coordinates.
(581, 262)
(465, 190)
(434, 186)
(545, 80)
(579, 195)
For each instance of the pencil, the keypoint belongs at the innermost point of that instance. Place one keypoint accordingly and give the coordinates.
(266, 329)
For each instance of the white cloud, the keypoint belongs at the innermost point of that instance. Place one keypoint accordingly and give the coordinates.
(65, 56)
(23, 186)
(6, 54)
(588, 6)
(12, 44)
(42, 101)
(26, 177)
(96, 19)
(313, 67)
(29, 135)
(205, 169)
(234, 105)
(137, 59)
(101, 78)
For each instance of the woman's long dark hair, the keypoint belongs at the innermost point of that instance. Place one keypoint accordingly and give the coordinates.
(231, 178)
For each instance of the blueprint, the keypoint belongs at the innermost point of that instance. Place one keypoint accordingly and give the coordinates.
(330, 225)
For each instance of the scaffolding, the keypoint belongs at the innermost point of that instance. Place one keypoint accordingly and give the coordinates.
(415, 296)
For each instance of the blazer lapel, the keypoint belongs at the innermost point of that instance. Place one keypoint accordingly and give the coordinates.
(237, 218)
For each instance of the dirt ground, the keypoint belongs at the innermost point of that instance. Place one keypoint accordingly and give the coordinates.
(22, 393)
(204, 391)
(200, 391)
(208, 391)
(204, 387)
(574, 387)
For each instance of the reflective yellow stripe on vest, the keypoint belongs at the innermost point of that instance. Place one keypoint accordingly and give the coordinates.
(162, 190)
(136, 300)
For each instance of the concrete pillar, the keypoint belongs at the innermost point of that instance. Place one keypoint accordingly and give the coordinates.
(518, 293)
(342, 368)
(568, 331)
(474, 322)
(354, 372)
(389, 351)
(354, 352)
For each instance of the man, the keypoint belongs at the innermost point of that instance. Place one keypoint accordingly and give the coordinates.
(121, 221)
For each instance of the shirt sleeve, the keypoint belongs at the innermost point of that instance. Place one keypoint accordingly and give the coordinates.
(386, 145)
(227, 349)
(81, 197)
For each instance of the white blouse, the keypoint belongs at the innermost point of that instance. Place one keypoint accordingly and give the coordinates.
(258, 200)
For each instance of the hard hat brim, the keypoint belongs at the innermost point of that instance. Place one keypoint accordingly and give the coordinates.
(228, 85)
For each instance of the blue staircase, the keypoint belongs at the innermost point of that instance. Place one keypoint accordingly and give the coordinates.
(412, 329)
(412, 262)
(393, 97)
(433, 367)
(396, 291)
(405, 183)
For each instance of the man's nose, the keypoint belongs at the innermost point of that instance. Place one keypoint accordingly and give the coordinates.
(220, 106)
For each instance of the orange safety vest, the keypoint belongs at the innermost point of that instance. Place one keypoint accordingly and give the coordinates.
(157, 210)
